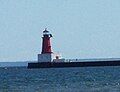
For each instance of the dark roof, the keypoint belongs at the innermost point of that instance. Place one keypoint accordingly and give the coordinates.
(45, 31)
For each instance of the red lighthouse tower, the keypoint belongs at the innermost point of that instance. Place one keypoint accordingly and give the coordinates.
(46, 54)
(46, 45)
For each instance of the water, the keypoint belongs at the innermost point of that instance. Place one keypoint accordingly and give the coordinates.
(97, 79)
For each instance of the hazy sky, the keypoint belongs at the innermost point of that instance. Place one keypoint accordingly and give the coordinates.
(80, 28)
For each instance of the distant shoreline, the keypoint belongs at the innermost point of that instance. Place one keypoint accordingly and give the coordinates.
(13, 64)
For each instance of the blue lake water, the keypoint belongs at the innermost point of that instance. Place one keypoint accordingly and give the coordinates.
(83, 79)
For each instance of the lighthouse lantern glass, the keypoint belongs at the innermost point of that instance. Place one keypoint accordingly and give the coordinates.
(46, 32)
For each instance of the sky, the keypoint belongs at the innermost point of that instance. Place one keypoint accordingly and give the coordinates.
(80, 28)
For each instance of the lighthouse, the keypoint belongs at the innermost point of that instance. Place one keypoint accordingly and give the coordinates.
(46, 44)
(46, 53)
